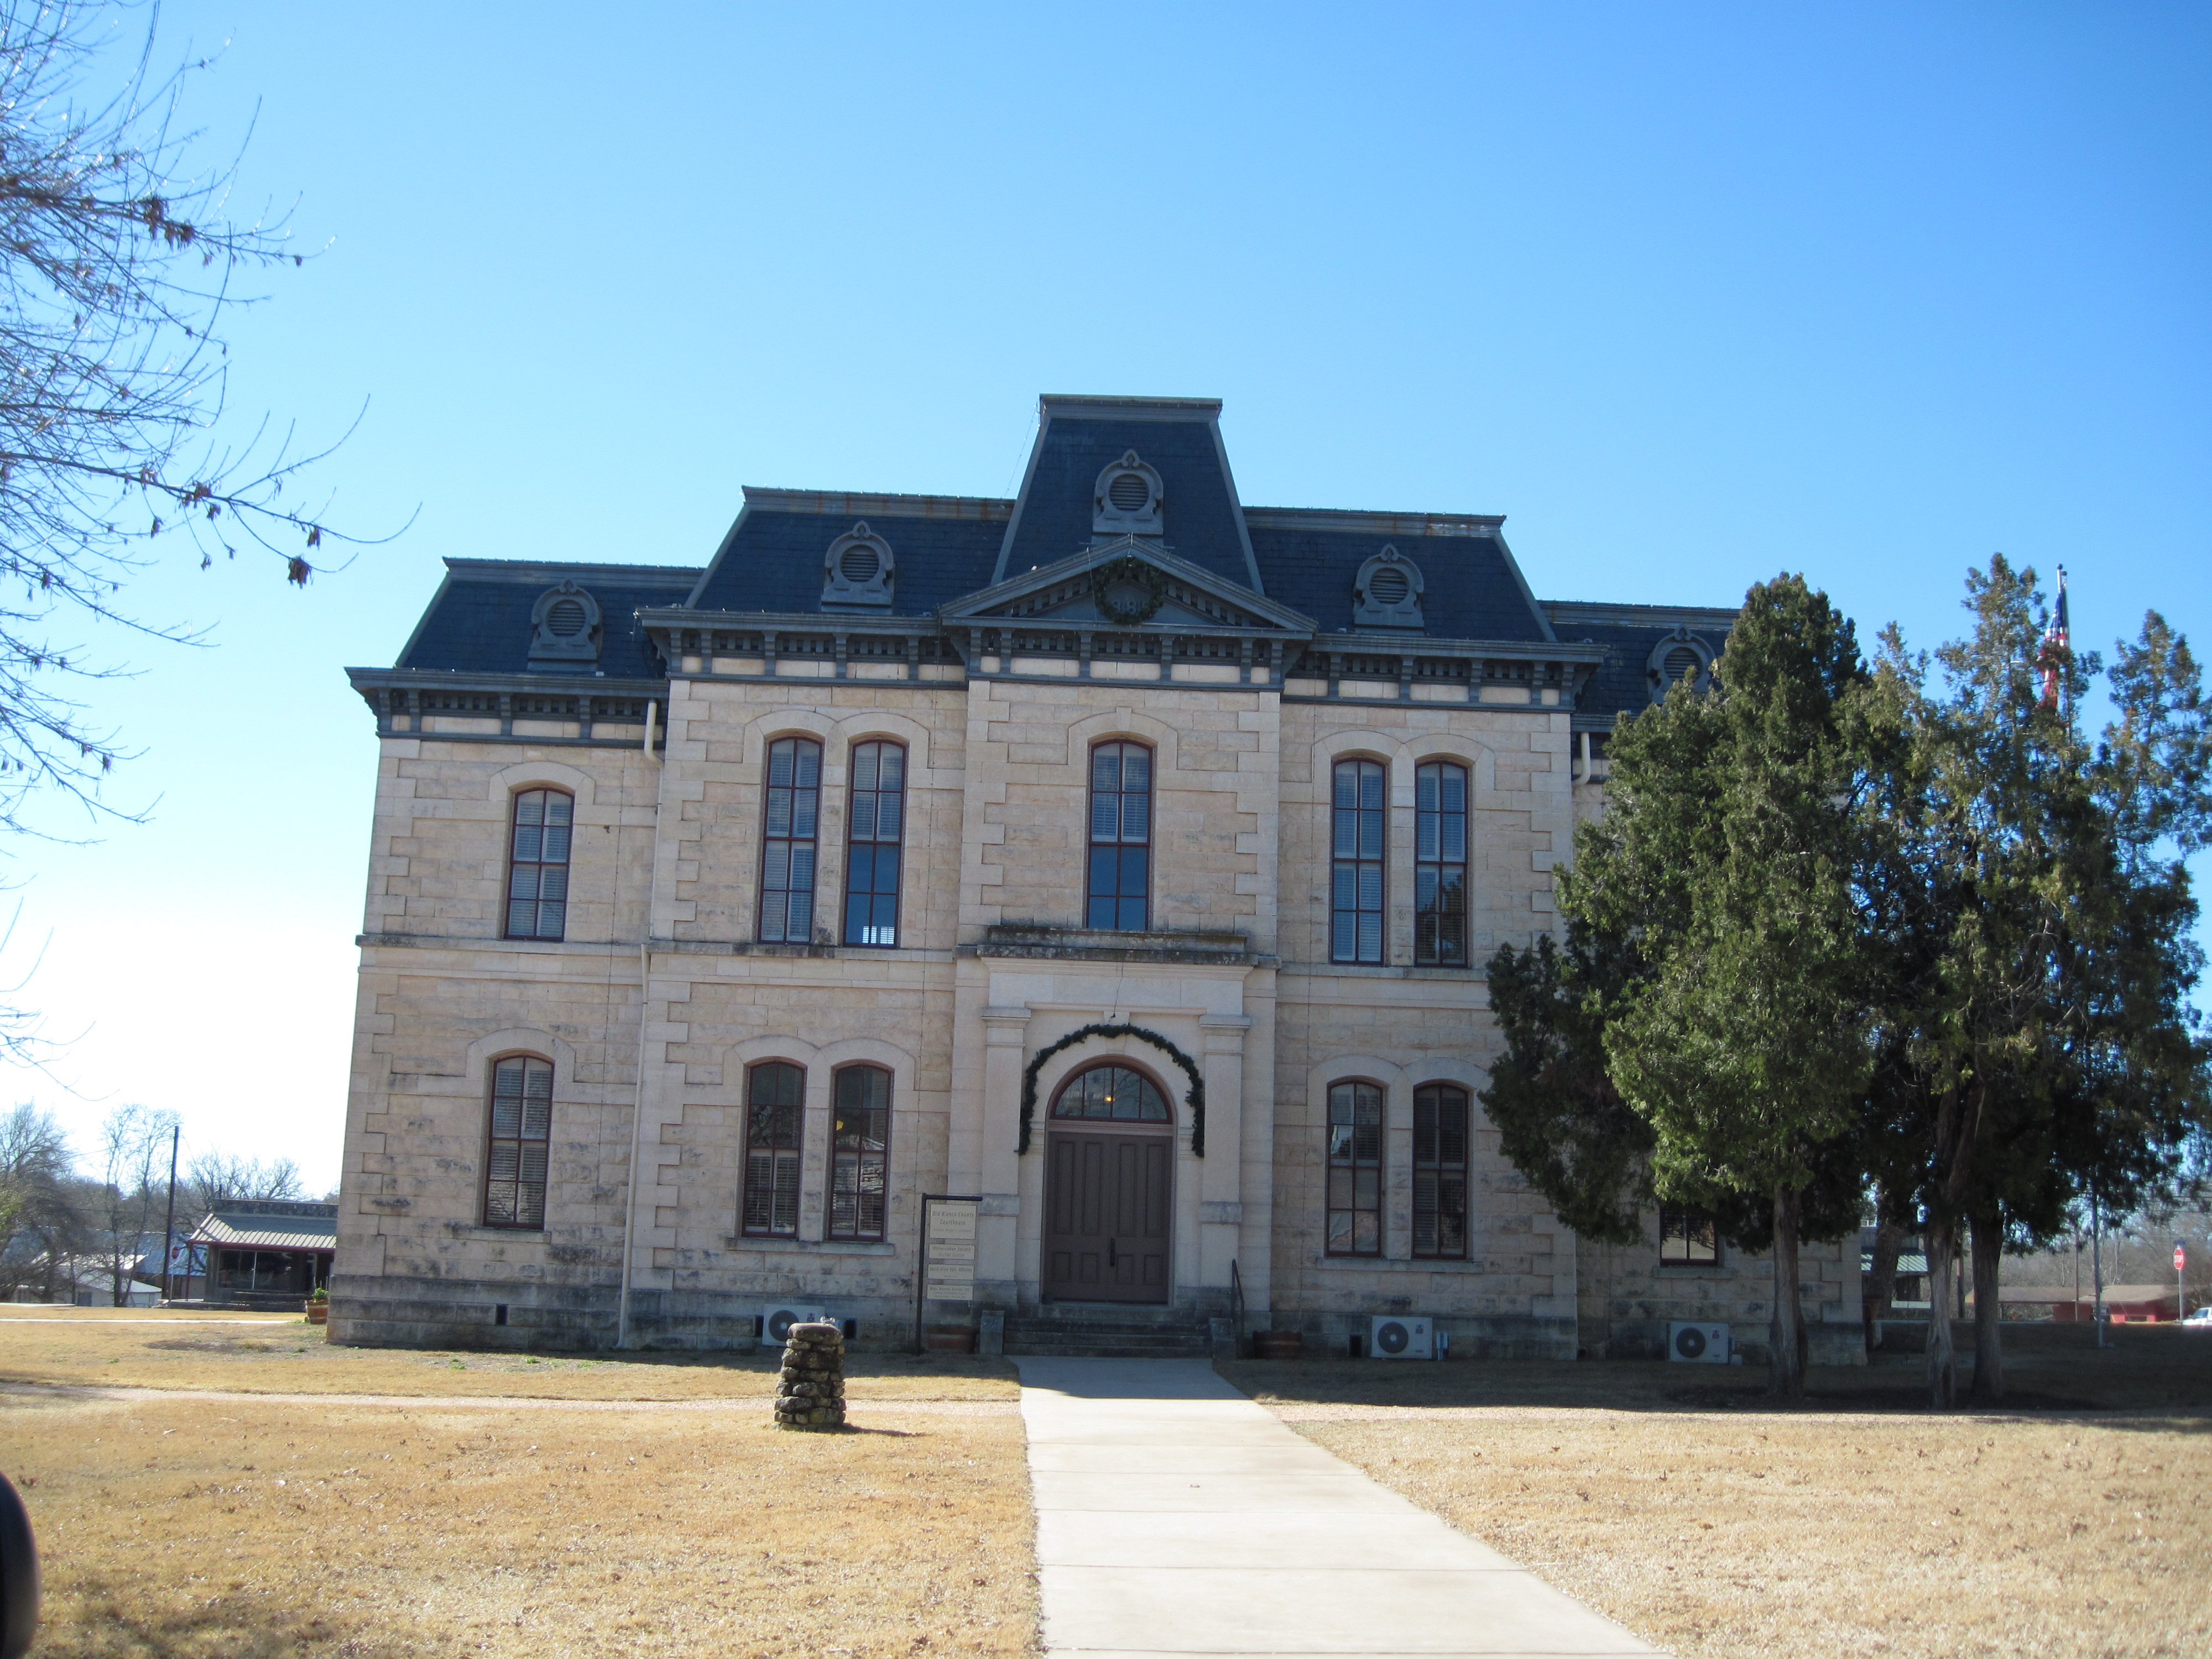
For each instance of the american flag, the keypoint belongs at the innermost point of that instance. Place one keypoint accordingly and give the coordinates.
(2055, 646)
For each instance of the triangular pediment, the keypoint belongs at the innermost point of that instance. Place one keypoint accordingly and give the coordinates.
(1128, 583)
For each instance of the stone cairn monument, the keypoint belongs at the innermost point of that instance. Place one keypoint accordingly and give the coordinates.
(811, 1394)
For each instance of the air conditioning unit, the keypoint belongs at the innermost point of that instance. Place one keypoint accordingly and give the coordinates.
(1393, 1336)
(1695, 1344)
(778, 1317)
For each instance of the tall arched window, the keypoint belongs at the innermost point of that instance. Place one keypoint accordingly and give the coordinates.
(1355, 1169)
(789, 815)
(538, 864)
(859, 1152)
(518, 1142)
(1357, 816)
(874, 824)
(1440, 864)
(775, 1094)
(1440, 1171)
(1120, 882)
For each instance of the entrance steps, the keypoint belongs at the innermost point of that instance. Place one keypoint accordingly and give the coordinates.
(1108, 1330)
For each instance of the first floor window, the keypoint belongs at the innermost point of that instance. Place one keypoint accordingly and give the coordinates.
(774, 1108)
(521, 1133)
(1440, 1172)
(1356, 825)
(1687, 1238)
(1355, 1169)
(859, 1148)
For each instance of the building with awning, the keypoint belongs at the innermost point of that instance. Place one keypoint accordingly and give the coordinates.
(267, 1251)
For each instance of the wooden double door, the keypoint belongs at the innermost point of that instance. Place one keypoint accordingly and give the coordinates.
(1108, 1224)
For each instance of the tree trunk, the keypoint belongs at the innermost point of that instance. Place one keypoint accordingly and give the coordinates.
(1988, 1311)
(1879, 1291)
(1943, 1361)
(1785, 1367)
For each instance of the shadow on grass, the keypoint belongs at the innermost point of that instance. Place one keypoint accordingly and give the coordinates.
(2152, 1376)
(104, 1619)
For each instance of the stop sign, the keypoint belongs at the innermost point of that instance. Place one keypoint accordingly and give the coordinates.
(2181, 1256)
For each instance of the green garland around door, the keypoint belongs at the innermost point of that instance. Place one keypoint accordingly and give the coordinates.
(1195, 1099)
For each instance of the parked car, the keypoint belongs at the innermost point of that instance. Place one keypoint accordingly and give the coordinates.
(2201, 1319)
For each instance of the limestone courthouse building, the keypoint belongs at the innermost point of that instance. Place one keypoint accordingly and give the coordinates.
(1120, 856)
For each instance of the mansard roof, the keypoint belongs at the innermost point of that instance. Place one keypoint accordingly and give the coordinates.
(1300, 570)
(479, 621)
(1630, 634)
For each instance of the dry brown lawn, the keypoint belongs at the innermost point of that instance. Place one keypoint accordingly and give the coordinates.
(196, 1528)
(142, 1349)
(2077, 1522)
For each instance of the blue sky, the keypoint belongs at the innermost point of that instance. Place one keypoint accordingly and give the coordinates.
(1692, 294)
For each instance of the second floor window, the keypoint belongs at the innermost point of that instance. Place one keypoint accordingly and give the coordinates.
(520, 1139)
(1355, 1169)
(1121, 870)
(1440, 1171)
(1356, 822)
(1440, 864)
(775, 1094)
(538, 864)
(790, 811)
(859, 1152)
(874, 825)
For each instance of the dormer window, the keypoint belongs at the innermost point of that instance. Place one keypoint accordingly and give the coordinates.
(857, 571)
(1128, 500)
(566, 629)
(1681, 655)
(1389, 592)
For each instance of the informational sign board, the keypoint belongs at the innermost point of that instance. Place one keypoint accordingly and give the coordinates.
(950, 1249)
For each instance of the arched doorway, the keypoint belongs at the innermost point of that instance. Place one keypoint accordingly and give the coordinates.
(1109, 1188)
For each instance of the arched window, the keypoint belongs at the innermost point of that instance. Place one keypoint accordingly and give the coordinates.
(1355, 1169)
(1120, 883)
(775, 1092)
(538, 864)
(518, 1142)
(1440, 1172)
(1121, 1094)
(1356, 817)
(859, 1151)
(874, 823)
(789, 815)
(1440, 864)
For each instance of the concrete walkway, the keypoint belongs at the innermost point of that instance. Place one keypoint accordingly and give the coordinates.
(1174, 1516)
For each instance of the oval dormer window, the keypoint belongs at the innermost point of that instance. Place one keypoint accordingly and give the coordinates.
(1680, 656)
(565, 630)
(1127, 500)
(1389, 587)
(1388, 594)
(858, 571)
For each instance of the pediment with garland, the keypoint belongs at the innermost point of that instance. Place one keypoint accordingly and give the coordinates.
(1127, 582)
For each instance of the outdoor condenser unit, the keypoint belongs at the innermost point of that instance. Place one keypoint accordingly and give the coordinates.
(1694, 1344)
(778, 1317)
(1393, 1336)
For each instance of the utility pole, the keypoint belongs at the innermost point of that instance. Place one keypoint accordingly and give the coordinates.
(169, 1227)
(2097, 1264)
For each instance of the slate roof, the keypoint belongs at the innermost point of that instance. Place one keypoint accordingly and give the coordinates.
(1629, 632)
(479, 621)
(1472, 590)
(942, 547)
(1078, 438)
(945, 547)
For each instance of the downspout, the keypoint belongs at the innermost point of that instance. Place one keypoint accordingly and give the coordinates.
(1582, 758)
(644, 990)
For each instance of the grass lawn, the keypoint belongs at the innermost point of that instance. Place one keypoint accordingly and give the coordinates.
(2077, 1522)
(143, 1348)
(196, 1528)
